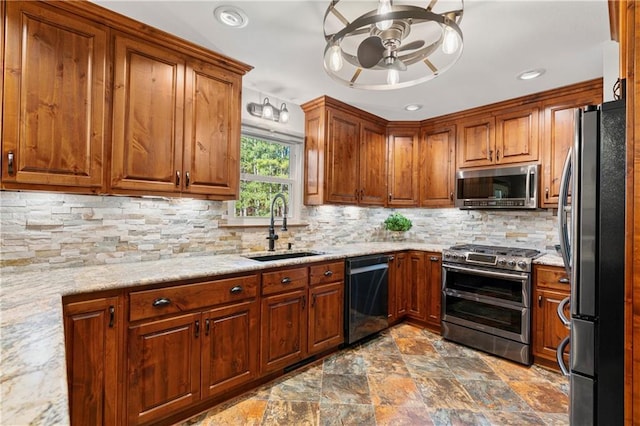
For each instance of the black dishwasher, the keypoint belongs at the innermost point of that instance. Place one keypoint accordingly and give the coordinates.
(366, 296)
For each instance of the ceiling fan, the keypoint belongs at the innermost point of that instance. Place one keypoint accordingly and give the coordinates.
(386, 48)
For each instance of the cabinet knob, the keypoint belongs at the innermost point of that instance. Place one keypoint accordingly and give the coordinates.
(451, 195)
(390, 197)
(161, 301)
(177, 177)
(546, 193)
(187, 179)
(235, 290)
(10, 163)
(498, 155)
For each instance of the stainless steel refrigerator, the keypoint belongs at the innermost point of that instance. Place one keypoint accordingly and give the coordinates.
(591, 221)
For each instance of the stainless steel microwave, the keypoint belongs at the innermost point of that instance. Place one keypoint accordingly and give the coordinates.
(512, 187)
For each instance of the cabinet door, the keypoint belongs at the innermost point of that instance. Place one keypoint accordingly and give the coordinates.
(342, 158)
(326, 320)
(401, 285)
(476, 142)
(283, 330)
(54, 98)
(92, 331)
(403, 168)
(373, 163)
(417, 286)
(437, 167)
(517, 136)
(148, 106)
(164, 367)
(212, 131)
(557, 137)
(229, 347)
(314, 157)
(549, 330)
(434, 289)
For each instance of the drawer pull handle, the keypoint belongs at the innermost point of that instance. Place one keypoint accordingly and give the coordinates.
(160, 302)
(187, 178)
(197, 328)
(564, 280)
(434, 258)
(328, 273)
(177, 177)
(235, 290)
(207, 326)
(285, 280)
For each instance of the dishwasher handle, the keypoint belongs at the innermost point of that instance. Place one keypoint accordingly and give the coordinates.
(369, 268)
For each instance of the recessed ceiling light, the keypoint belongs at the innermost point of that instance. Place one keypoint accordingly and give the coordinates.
(413, 107)
(531, 74)
(231, 16)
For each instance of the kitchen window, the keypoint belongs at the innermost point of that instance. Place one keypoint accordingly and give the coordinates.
(269, 164)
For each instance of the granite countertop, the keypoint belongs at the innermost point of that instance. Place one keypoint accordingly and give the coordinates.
(33, 378)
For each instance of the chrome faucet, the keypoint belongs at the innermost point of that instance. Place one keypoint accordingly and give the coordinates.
(272, 229)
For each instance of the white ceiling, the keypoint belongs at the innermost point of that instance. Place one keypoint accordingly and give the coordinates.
(284, 42)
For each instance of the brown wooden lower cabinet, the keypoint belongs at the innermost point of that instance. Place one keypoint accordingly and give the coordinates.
(550, 287)
(326, 317)
(433, 265)
(230, 347)
(92, 334)
(283, 329)
(398, 287)
(164, 367)
(417, 286)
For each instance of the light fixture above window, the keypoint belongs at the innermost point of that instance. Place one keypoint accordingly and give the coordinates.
(269, 112)
(377, 45)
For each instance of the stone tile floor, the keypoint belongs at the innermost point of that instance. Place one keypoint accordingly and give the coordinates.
(405, 376)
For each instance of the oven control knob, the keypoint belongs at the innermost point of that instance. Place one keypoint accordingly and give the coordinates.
(447, 255)
(454, 256)
(502, 262)
(511, 263)
(522, 264)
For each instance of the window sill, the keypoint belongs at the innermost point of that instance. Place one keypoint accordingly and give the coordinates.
(260, 225)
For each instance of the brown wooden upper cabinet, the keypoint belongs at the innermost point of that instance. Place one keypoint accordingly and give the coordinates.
(558, 136)
(53, 130)
(345, 155)
(504, 138)
(403, 166)
(437, 166)
(176, 123)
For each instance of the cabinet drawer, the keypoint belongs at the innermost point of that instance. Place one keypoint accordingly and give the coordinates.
(552, 277)
(275, 282)
(326, 273)
(152, 303)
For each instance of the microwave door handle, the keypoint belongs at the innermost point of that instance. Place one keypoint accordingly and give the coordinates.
(563, 210)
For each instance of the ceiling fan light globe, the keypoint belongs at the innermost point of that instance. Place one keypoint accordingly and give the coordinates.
(451, 41)
(393, 76)
(384, 7)
(333, 58)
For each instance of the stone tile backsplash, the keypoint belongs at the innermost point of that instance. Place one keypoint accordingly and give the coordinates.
(40, 230)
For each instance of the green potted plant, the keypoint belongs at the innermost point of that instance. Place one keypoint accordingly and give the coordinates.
(397, 222)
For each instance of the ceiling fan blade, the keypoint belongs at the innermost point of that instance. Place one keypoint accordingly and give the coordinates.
(370, 51)
(412, 46)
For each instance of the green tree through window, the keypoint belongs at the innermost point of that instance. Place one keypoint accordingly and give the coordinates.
(265, 170)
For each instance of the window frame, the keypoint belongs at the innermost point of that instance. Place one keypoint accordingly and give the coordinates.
(294, 203)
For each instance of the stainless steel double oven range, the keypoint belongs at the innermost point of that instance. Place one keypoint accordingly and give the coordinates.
(486, 299)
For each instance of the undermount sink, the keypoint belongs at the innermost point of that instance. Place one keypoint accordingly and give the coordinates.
(281, 256)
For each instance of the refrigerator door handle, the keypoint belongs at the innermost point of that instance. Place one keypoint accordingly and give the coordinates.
(563, 210)
(561, 315)
(559, 355)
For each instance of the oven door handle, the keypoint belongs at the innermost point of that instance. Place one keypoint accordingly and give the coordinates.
(492, 274)
(489, 301)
